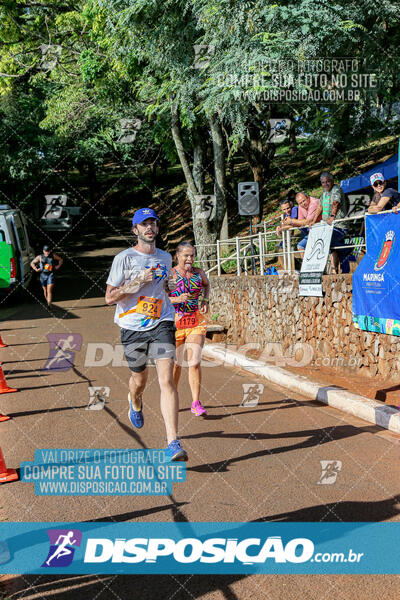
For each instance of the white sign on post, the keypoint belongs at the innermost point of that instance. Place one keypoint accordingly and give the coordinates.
(314, 261)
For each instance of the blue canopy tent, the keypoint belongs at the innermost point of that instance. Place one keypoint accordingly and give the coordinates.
(389, 170)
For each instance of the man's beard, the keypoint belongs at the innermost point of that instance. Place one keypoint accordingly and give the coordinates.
(144, 240)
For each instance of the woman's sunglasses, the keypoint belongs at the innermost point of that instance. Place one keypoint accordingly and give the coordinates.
(377, 183)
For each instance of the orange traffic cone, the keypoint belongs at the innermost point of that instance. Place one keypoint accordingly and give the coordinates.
(4, 389)
(6, 475)
(2, 344)
(4, 418)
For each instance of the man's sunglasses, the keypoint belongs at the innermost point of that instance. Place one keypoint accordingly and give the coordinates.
(377, 183)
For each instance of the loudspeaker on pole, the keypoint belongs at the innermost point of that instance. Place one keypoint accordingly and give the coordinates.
(248, 198)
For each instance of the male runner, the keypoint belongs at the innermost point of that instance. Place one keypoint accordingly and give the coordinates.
(137, 284)
(47, 267)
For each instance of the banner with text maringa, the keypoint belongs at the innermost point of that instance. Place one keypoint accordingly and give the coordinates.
(376, 281)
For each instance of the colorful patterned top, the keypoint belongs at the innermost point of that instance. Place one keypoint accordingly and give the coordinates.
(188, 285)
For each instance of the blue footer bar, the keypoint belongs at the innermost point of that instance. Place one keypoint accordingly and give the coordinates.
(201, 548)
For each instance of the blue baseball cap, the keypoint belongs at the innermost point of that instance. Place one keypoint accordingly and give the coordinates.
(142, 214)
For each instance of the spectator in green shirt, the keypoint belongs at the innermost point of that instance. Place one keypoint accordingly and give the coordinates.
(333, 201)
(333, 206)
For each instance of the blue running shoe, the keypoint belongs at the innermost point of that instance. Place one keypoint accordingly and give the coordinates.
(135, 416)
(175, 451)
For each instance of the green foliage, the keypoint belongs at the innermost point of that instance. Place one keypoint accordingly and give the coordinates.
(135, 59)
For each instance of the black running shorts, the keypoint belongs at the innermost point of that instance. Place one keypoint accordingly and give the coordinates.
(155, 343)
(46, 279)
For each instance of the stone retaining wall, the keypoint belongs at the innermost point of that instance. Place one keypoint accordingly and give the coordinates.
(268, 311)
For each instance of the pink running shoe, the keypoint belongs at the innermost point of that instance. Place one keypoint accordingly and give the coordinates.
(198, 409)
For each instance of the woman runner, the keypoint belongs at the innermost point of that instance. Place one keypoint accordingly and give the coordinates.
(47, 267)
(190, 322)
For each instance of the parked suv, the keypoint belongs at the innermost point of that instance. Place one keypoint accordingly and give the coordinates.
(16, 253)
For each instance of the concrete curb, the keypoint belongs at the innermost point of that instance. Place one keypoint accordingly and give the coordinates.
(358, 406)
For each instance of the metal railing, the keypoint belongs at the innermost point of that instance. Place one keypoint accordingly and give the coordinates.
(246, 250)
(250, 253)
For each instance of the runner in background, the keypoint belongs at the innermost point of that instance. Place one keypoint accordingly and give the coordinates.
(139, 281)
(47, 267)
(191, 327)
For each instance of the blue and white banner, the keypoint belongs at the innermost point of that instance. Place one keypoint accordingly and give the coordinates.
(201, 548)
(376, 281)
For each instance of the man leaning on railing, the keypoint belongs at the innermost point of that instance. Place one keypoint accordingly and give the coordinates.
(307, 216)
(288, 210)
(333, 205)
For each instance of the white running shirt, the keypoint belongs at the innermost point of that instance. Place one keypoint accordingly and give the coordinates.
(126, 266)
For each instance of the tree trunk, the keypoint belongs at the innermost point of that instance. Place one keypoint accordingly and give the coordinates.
(177, 137)
(199, 160)
(230, 162)
(205, 229)
(292, 138)
(92, 181)
(224, 233)
(220, 183)
(343, 127)
(258, 154)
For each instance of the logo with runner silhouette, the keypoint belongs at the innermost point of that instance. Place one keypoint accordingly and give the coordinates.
(98, 397)
(62, 351)
(63, 543)
(205, 206)
(251, 394)
(329, 471)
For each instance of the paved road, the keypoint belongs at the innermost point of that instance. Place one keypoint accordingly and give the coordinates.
(246, 463)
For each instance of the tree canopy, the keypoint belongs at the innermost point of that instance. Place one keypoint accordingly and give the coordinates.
(194, 81)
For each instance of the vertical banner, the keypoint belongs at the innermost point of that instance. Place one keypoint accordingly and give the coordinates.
(398, 167)
(314, 261)
(376, 281)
